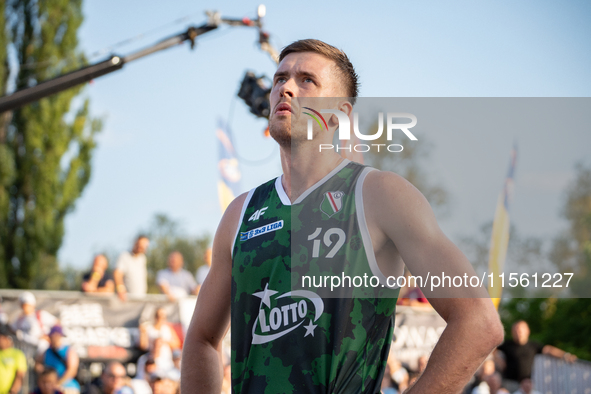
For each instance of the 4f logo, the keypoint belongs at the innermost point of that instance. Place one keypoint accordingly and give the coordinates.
(257, 214)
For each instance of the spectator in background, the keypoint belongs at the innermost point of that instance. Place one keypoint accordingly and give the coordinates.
(33, 326)
(13, 364)
(175, 281)
(161, 383)
(159, 329)
(203, 270)
(47, 382)
(111, 380)
(175, 372)
(131, 273)
(141, 383)
(63, 358)
(98, 279)
(3, 315)
(520, 352)
(526, 387)
(494, 383)
(398, 373)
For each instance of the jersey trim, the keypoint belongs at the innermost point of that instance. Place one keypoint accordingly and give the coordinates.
(281, 192)
(322, 181)
(369, 252)
(244, 206)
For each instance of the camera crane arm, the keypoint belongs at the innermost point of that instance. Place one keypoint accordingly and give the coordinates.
(114, 63)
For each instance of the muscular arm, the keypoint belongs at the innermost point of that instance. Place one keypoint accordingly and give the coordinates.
(402, 214)
(202, 370)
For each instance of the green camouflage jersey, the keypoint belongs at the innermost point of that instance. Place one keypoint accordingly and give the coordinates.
(289, 338)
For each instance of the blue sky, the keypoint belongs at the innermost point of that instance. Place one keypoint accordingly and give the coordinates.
(157, 151)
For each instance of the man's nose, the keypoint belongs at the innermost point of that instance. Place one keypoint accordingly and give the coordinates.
(287, 89)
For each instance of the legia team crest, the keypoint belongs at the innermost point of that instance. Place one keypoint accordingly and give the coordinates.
(332, 203)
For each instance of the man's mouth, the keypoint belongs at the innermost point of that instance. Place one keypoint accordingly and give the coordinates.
(283, 109)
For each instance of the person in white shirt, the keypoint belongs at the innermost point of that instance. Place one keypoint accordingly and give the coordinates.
(131, 274)
(202, 271)
(33, 325)
(175, 281)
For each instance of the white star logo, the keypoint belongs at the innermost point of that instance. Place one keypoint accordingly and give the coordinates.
(265, 295)
(310, 329)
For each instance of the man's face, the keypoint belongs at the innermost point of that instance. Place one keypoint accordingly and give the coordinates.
(113, 378)
(100, 263)
(141, 245)
(28, 309)
(48, 383)
(175, 261)
(5, 342)
(520, 331)
(55, 340)
(303, 74)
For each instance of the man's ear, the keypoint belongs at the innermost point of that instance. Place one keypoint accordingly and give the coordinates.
(346, 107)
(343, 106)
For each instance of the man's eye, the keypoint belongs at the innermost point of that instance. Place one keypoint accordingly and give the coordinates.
(308, 80)
(280, 80)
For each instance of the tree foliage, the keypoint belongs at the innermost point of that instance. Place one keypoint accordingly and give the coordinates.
(565, 323)
(571, 250)
(45, 147)
(166, 236)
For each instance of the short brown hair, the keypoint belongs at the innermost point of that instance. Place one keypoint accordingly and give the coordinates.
(336, 55)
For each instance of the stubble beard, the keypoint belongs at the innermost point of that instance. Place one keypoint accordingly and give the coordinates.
(281, 132)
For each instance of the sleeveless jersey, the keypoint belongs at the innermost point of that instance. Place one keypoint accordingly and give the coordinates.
(285, 337)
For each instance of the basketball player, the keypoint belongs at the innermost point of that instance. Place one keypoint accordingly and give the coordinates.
(287, 340)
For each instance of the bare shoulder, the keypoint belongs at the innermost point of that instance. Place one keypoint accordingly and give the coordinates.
(229, 223)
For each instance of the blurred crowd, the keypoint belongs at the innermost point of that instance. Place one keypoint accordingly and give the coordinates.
(56, 364)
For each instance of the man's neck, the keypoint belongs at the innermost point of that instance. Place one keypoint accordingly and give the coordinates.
(302, 169)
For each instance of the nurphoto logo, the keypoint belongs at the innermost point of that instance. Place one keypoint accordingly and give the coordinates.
(344, 130)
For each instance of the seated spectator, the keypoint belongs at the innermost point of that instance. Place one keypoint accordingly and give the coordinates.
(98, 279)
(33, 326)
(479, 381)
(398, 373)
(47, 382)
(175, 281)
(526, 387)
(159, 355)
(111, 380)
(494, 383)
(388, 385)
(160, 328)
(13, 364)
(145, 368)
(63, 358)
(161, 383)
(202, 271)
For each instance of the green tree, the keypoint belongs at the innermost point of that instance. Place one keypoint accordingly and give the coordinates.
(564, 323)
(571, 250)
(166, 236)
(45, 147)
